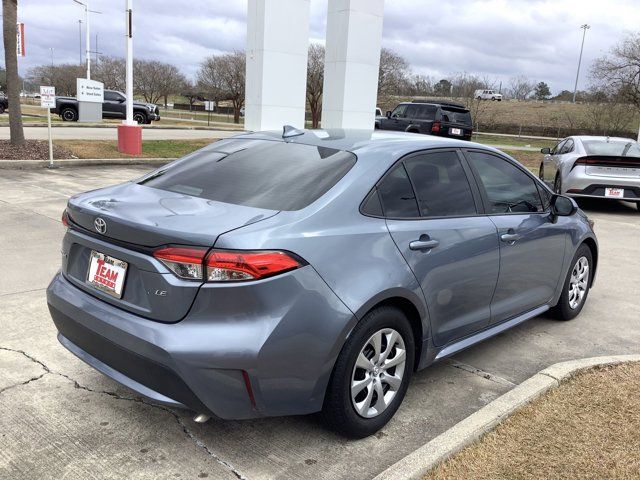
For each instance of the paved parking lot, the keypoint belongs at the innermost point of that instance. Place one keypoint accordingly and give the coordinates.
(61, 419)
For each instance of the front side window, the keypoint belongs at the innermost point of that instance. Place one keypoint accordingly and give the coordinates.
(399, 111)
(396, 194)
(508, 189)
(441, 185)
(256, 173)
(558, 148)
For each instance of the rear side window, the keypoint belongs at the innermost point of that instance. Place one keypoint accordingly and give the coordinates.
(426, 112)
(441, 185)
(456, 116)
(396, 195)
(509, 189)
(262, 174)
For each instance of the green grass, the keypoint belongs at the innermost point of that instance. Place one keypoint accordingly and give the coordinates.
(150, 148)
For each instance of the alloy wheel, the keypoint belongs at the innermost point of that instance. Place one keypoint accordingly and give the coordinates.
(378, 373)
(578, 283)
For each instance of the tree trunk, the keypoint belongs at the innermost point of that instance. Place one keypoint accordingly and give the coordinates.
(236, 112)
(10, 18)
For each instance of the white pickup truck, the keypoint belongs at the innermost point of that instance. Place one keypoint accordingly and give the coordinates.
(487, 95)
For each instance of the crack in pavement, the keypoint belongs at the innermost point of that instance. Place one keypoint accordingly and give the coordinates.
(185, 429)
(481, 373)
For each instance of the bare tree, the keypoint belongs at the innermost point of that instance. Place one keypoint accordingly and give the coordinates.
(112, 72)
(315, 79)
(63, 77)
(464, 85)
(148, 80)
(222, 77)
(620, 70)
(520, 87)
(393, 74)
(9, 20)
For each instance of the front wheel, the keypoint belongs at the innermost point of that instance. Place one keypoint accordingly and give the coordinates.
(1, 109)
(140, 117)
(557, 185)
(576, 285)
(371, 375)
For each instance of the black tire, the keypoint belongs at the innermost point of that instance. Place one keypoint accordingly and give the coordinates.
(557, 184)
(638, 206)
(1, 109)
(69, 114)
(563, 309)
(339, 412)
(479, 98)
(140, 117)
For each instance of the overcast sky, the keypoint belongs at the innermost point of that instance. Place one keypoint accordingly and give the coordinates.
(493, 38)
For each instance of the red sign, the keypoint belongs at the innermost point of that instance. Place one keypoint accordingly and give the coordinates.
(20, 46)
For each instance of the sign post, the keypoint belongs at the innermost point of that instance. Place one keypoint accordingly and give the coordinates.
(48, 101)
(209, 107)
(90, 96)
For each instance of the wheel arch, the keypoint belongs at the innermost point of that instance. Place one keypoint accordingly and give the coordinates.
(593, 246)
(409, 304)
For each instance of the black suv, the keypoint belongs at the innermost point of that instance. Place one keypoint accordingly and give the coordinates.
(446, 119)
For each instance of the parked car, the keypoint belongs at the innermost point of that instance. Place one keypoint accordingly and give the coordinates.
(4, 102)
(601, 167)
(444, 119)
(114, 106)
(487, 95)
(379, 112)
(285, 274)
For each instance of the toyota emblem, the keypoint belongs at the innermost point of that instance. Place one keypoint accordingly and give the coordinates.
(100, 225)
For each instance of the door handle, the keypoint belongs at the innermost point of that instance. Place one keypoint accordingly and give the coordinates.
(424, 243)
(510, 237)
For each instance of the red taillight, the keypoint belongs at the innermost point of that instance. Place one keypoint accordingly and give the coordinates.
(228, 265)
(185, 262)
(435, 127)
(65, 218)
(247, 384)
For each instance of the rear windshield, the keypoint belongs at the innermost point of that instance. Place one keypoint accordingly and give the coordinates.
(456, 116)
(612, 148)
(256, 173)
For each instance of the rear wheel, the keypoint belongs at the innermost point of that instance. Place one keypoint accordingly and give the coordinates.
(371, 375)
(69, 114)
(1, 109)
(576, 285)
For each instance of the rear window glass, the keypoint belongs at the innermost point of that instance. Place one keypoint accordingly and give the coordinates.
(616, 148)
(262, 174)
(456, 116)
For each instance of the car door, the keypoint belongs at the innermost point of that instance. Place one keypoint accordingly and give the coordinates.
(112, 105)
(432, 214)
(532, 244)
(397, 120)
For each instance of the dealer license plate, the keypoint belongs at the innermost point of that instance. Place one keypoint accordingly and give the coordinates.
(614, 192)
(455, 131)
(106, 273)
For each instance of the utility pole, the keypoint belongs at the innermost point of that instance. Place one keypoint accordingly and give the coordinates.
(584, 28)
(87, 11)
(80, 38)
(52, 49)
(129, 73)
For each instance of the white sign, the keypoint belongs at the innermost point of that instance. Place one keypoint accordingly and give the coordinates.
(209, 106)
(20, 47)
(48, 97)
(89, 90)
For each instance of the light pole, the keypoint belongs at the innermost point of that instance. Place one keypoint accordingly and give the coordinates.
(52, 49)
(584, 28)
(129, 73)
(87, 11)
(80, 39)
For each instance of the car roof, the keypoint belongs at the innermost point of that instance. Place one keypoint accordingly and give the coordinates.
(367, 141)
(602, 138)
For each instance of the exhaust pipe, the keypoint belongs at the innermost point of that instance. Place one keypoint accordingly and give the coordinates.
(201, 418)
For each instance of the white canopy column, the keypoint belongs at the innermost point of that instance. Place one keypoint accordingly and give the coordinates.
(354, 37)
(277, 48)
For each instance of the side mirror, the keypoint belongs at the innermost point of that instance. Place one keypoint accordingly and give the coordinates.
(562, 206)
(388, 113)
(545, 150)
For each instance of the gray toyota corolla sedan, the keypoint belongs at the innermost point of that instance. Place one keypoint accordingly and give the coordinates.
(290, 273)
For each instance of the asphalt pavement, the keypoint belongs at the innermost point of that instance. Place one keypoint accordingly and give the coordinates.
(61, 419)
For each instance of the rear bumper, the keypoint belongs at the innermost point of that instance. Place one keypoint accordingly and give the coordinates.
(579, 184)
(285, 333)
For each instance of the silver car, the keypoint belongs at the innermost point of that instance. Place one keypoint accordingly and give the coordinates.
(600, 167)
(290, 273)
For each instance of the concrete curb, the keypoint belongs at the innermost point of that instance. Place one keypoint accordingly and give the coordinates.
(418, 463)
(114, 126)
(80, 162)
